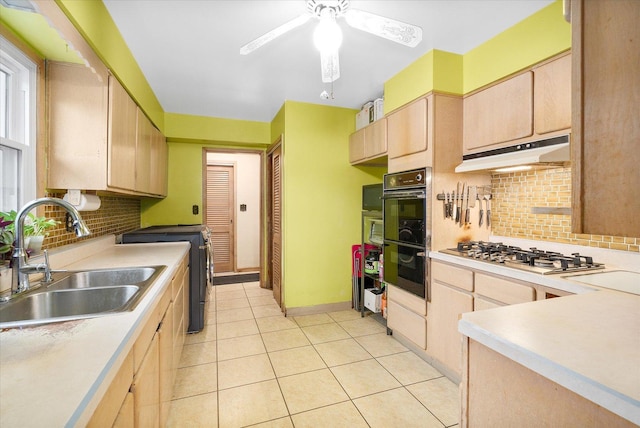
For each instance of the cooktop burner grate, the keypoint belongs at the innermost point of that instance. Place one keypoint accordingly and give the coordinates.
(533, 259)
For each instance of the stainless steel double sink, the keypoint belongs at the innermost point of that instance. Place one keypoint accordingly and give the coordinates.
(80, 294)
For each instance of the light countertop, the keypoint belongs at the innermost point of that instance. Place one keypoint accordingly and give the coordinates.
(56, 374)
(588, 343)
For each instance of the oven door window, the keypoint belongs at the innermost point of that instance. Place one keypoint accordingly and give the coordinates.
(404, 220)
(408, 272)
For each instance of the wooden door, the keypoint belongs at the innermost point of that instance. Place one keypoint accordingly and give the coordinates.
(220, 215)
(276, 224)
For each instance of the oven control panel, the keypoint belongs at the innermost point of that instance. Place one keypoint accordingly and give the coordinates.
(407, 179)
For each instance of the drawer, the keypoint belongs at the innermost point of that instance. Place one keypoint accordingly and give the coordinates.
(407, 323)
(503, 290)
(455, 276)
(408, 300)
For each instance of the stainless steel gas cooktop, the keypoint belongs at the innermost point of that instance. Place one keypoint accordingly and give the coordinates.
(532, 260)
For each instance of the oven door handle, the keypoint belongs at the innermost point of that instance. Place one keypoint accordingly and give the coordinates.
(405, 195)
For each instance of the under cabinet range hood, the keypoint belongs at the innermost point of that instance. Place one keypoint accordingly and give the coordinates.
(535, 154)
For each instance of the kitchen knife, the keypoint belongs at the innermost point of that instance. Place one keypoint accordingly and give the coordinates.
(448, 204)
(456, 193)
(444, 204)
(489, 211)
(462, 208)
(473, 194)
(481, 213)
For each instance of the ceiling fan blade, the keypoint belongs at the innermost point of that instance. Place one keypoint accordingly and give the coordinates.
(266, 38)
(390, 29)
(330, 64)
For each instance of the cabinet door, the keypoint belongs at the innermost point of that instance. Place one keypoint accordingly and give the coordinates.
(499, 114)
(375, 139)
(126, 415)
(111, 404)
(165, 335)
(143, 152)
(78, 110)
(356, 146)
(407, 129)
(122, 137)
(552, 96)
(605, 128)
(444, 342)
(146, 389)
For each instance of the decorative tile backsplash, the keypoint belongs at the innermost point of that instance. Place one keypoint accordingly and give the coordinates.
(514, 196)
(115, 216)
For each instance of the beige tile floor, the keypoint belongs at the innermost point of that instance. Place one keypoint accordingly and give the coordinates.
(251, 366)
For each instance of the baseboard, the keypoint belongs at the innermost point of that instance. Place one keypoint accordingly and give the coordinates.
(249, 269)
(317, 309)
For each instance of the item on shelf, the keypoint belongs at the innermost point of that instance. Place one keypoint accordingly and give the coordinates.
(371, 263)
(373, 299)
(381, 266)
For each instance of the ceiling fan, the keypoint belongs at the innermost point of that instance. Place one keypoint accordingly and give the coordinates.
(328, 37)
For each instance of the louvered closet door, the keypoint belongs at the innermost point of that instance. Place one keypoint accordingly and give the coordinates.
(220, 212)
(276, 219)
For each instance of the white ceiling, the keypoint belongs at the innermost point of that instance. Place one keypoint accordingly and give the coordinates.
(189, 49)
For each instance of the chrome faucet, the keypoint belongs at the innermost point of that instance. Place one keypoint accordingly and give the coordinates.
(21, 268)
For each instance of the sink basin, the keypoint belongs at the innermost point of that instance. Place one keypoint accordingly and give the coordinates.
(103, 278)
(79, 295)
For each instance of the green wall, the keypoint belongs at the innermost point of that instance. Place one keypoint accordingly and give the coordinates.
(534, 39)
(93, 21)
(321, 203)
(184, 191)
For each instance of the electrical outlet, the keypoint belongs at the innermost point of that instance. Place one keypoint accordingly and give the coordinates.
(195, 209)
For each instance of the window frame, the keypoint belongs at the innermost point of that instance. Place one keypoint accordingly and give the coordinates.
(36, 102)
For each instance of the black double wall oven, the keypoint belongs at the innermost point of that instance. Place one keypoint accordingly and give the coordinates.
(407, 235)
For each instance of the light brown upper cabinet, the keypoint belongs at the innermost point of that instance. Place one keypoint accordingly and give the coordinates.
(552, 96)
(606, 121)
(94, 140)
(531, 105)
(498, 114)
(407, 129)
(122, 136)
(142, 155)
(368, 145)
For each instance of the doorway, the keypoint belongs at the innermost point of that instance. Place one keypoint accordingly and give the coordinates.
(220, 215)
(232, 195)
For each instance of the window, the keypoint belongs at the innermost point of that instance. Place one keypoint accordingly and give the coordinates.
(17, 127)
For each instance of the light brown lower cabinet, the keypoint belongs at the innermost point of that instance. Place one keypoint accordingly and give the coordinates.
(146, 388)
(444, 342)
(456, 290)
(140, 393)
(165, 335)
(499, 392)
(503, 290)
(406, 315)
(126, 415)
(113, 402)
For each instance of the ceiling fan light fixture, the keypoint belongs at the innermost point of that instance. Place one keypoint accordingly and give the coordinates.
(327, 37)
